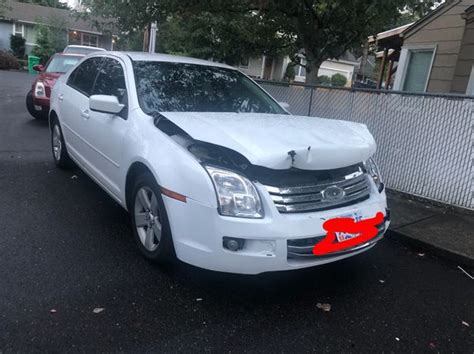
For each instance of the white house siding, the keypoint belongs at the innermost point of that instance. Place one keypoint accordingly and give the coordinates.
(332, 67)
(254, 69)
(28, 30)
(5, 33)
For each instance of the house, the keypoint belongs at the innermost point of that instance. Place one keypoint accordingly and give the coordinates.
(21, 18)
(274, 68)
(436, 53)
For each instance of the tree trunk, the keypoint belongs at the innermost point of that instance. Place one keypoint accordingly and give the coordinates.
(312, 69)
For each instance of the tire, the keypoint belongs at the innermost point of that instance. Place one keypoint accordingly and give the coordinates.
(58, 146)
(30, 105)
(150, 223)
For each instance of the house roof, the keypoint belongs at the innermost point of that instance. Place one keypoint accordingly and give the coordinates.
(441, 9)
(394, 32)
(26, 12)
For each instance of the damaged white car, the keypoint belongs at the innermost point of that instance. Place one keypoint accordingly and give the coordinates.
(212, 169)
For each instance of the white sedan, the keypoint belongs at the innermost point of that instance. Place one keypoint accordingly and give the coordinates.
(211, 168)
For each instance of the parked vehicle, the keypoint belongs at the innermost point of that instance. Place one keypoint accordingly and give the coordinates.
(82, 49)
(210, 167)
(37, 99)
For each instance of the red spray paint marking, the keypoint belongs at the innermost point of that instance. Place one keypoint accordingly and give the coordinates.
(367, 228)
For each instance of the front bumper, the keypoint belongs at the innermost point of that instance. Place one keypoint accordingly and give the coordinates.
(41, 101)
(198, 231)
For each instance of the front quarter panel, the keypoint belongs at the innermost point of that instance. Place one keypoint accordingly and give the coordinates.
(173, 167)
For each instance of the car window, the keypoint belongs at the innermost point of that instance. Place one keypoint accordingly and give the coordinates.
(83, 77)
(62, 63)
(111, 80)
(180, 87)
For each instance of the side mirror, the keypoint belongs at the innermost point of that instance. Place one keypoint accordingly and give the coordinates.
(38, 67)
(285, 105)
(105, 104)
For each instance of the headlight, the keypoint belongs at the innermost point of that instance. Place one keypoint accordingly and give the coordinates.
(374, 172)
(40, 90)
(236, 195)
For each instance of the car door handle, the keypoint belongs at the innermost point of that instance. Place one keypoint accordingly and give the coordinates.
(61, 97)
(85, 114)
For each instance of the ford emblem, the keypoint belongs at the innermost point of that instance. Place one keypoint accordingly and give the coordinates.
(333, 193)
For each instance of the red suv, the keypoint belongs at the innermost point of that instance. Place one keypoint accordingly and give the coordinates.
(37, 100)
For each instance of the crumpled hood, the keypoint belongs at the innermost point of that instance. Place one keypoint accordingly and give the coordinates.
(269, 140)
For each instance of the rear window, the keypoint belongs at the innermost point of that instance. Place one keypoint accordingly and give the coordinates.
(79, 50)
(62, 64)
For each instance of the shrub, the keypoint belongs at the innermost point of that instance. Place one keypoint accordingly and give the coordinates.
(17, 45)
(8, 61)
(324, 80)
(338, 80)
(290, 72)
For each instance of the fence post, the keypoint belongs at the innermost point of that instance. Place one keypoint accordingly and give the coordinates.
(310, 101)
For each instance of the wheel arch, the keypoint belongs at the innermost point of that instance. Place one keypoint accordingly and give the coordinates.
(136, 169)
(52, 116)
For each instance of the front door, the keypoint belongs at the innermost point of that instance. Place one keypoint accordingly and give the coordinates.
(104, 131)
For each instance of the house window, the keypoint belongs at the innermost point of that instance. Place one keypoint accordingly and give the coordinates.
(90, 40)
(19, 29)
(30, 34)
(244, 62)
(301, 70)
(418, 68)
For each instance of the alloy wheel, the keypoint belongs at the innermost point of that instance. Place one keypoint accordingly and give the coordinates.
(147, 218)
(57, 145)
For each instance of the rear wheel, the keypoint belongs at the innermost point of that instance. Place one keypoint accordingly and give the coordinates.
(58, 146)
(41, 113)
(150, 221)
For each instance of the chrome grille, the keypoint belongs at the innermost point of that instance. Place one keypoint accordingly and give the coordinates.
(308, 198)
(303, 248)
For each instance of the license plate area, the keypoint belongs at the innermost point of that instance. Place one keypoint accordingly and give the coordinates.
(344, 236)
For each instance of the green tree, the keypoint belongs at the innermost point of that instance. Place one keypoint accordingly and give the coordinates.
(17, 45)
(314, 30)
(3, 8)
(50, 38)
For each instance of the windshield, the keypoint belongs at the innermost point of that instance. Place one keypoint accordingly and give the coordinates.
(180, 87)
(61, 64)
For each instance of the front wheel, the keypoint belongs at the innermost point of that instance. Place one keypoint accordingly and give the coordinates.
(40, 114)
(58, 146)
(150, 222)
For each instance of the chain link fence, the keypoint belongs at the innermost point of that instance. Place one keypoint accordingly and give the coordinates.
(425, 142)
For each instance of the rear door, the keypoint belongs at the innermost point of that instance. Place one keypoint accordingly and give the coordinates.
(74, 101)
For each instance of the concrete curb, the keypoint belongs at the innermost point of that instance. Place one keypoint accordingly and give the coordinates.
(441, 252)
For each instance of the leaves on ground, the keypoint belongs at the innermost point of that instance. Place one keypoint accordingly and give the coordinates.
(324, 306)
(98, 310)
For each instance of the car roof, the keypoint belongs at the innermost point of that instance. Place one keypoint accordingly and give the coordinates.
(158, 57)
(86, 47)
(70, 54)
